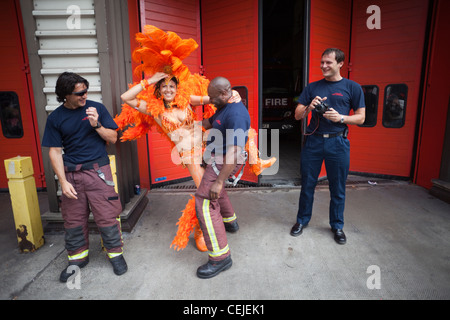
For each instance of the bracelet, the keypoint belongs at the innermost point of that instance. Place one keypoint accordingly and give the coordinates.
(201, 100)
(138, 104)
(144, 84)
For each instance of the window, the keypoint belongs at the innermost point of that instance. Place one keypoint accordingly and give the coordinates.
(371, 93)
(243, 92)
(10, 115)
(394, 110)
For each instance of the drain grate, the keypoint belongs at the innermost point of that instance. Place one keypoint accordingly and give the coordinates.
(228, 186)
(280, 184)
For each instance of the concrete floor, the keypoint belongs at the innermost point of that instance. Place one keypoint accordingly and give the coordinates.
(398, 236)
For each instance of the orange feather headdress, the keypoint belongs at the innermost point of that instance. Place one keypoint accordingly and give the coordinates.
(161, 51)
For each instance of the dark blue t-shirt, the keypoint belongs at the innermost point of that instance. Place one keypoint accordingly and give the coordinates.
(232, 121)
(71, 130)
(342, 96)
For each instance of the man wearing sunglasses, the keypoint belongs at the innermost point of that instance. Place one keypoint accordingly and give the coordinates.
(82, 128)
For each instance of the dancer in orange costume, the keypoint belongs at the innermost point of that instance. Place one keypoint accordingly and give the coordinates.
(164, 100)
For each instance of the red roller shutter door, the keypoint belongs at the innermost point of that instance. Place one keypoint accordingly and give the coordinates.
(329, 28)
(16, 82)
(181, 17)
(390, 55)
(230, 49)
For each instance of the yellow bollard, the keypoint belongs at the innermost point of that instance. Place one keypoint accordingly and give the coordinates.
(112, 163)
(25, 205)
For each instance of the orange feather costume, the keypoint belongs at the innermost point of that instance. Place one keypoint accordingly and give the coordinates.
(161, 51)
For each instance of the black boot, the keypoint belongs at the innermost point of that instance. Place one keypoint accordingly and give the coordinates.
(64, 276)
(119, 265)
(213, 268)
(231, 226)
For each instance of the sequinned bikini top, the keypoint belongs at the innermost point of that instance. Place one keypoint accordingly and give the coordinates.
(170, 125)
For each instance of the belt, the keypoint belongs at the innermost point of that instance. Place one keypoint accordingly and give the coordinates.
(330, 135)
(87, 165)
(95, 164)
(235, 179)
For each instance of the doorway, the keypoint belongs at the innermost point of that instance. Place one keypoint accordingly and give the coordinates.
(283, 50)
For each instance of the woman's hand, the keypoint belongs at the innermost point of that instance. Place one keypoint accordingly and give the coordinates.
(235, 97)
(156, 77)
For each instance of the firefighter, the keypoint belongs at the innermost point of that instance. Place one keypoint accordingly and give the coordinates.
(82, 128)
(327, 139)
(214, 210)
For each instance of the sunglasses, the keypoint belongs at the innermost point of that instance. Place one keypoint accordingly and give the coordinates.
(80, 93)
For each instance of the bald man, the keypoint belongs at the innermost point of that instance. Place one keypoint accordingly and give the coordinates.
(224, 156)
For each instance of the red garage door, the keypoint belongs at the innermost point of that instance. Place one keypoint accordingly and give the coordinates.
(18, 134)
(387, 61)
(230, 49)
(330, 28)
(182, 17)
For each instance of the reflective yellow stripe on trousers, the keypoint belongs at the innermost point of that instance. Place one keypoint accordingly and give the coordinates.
(79, 256)
(212, 234)
(230, 219)
(116, 254)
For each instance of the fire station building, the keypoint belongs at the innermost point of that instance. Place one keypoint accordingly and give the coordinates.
(268, 49)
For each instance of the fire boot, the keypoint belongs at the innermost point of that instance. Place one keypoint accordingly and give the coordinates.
(119, 265)
(199, 240)
(65, 275)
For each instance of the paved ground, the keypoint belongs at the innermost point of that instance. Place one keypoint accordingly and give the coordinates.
(398, 238)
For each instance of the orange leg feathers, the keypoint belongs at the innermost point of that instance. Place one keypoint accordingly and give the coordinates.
(185, 225)
(257, 165)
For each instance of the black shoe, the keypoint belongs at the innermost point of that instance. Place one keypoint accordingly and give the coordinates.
(213, 268)
(119, 265)
(297, 229)
(231, 226)
(64, 276)
(339, 236)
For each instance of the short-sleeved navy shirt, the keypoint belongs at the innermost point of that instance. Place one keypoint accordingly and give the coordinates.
(233, 118)
(342, 96)
(71, 130)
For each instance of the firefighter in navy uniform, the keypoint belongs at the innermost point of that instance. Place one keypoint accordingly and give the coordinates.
(214, 210)
(327, 139)
(81, 128)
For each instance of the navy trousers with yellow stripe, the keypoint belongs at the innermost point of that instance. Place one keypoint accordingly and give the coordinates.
(212, 214)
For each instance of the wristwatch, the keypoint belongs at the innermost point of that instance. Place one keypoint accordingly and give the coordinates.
(342, 119)
(99, 125)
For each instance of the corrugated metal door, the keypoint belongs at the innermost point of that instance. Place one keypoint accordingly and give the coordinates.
(67, 37)
(387, 59)
(18, 134)
(182, 17)
(230, 49)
